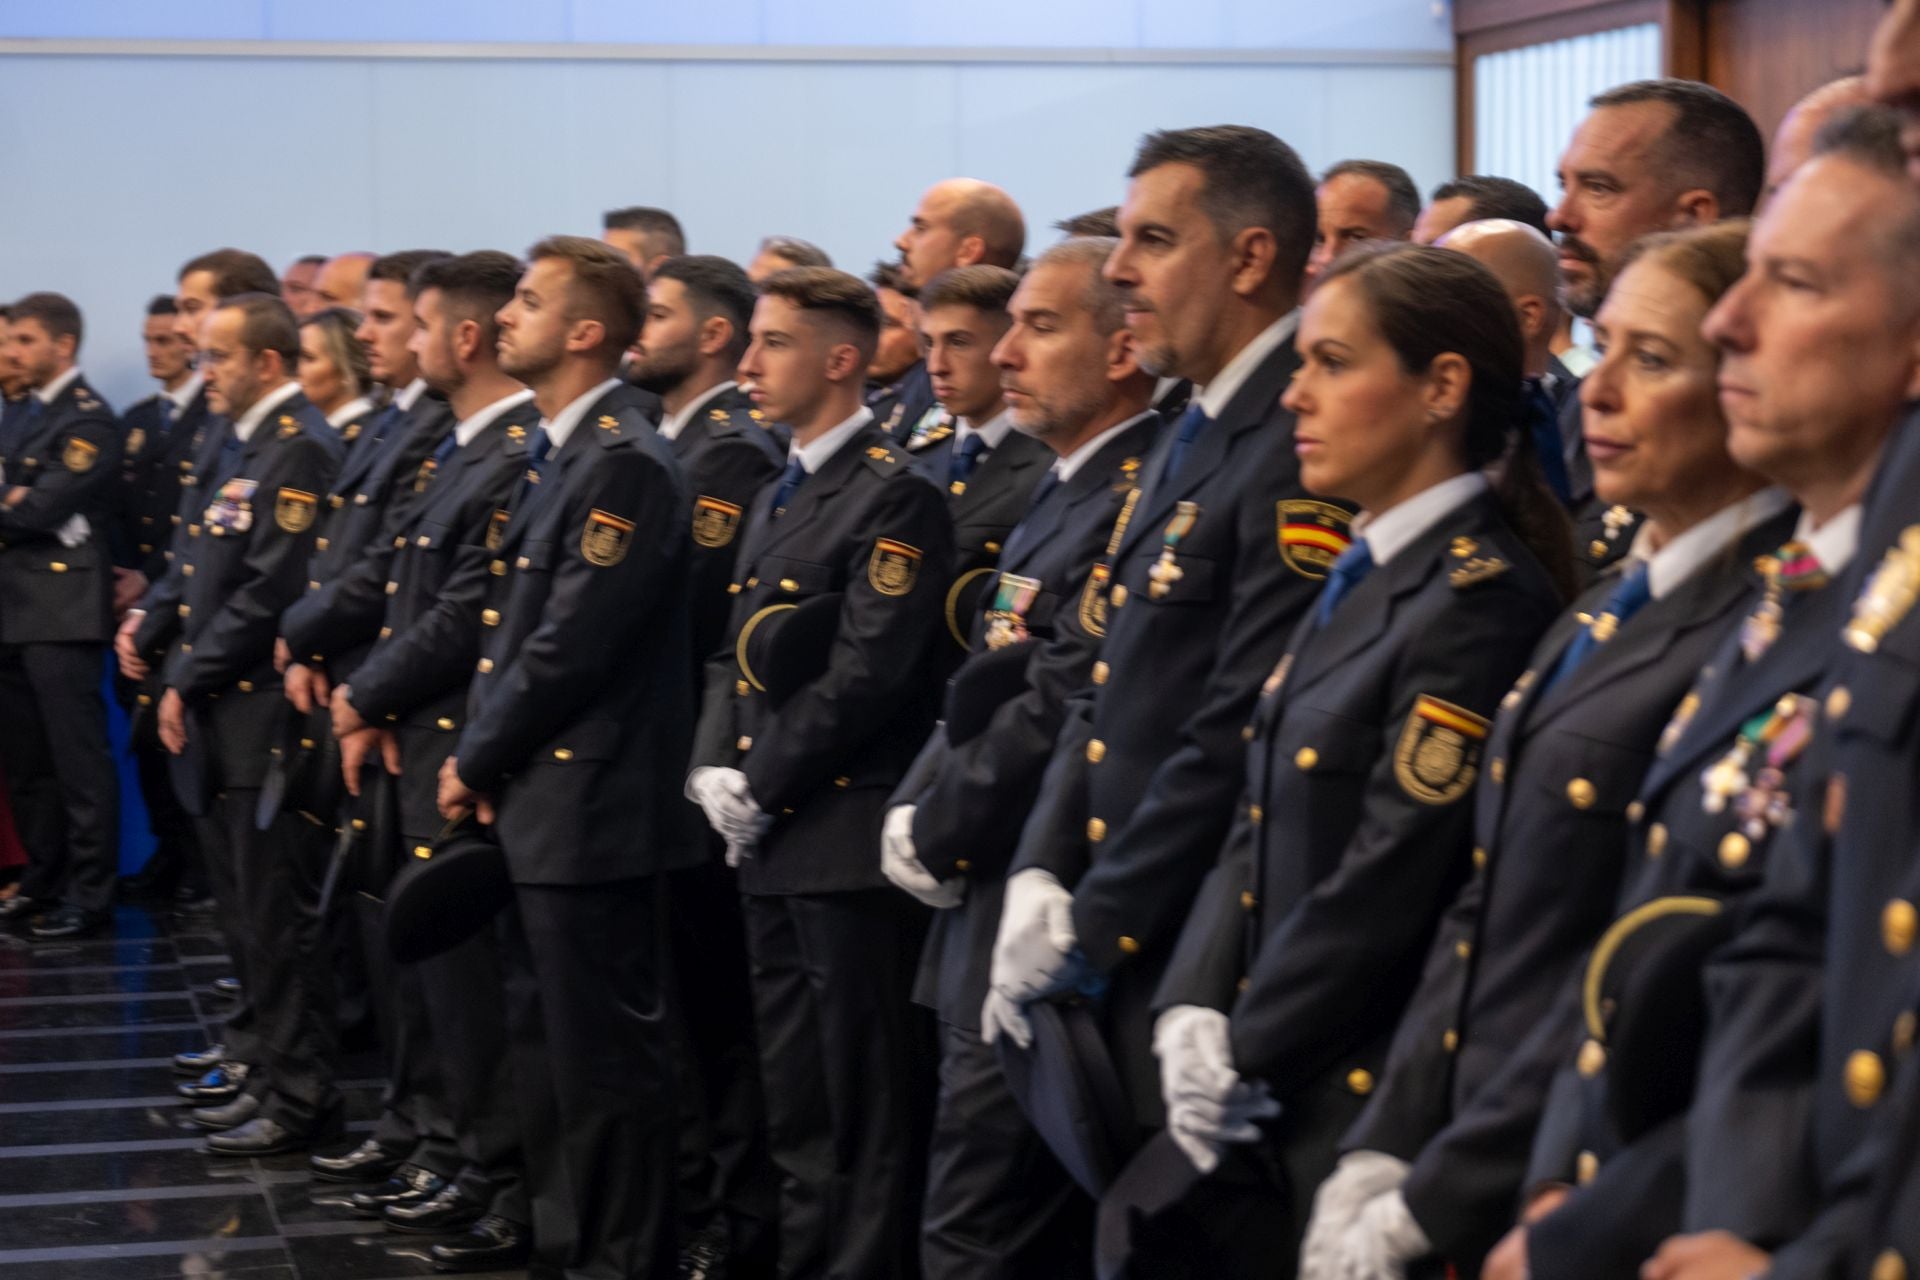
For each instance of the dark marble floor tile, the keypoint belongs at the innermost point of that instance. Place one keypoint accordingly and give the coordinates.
(241, 1214)
(62, 1085)
(209, 1262)
(162, 1119)
(110, 1013)
(191, 945)
(102, 1170)
(92, 980)
(130, 1043)
(367, 1255)
(309, 1201)
(18, 953)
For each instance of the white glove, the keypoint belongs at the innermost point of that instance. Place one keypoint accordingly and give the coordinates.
(74, 532)
(1000, 1016)
(1033, 954)
(1381, 1241)
(728, 802)
(899, 864)
(1208, 1104)
(1359, 1177)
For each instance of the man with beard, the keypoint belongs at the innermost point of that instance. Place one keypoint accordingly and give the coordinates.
(698, 312)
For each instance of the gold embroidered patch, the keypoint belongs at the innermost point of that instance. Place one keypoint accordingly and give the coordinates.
(714, 522)
(893, 567)
(80, 455)
(136, 440)
(1438, 755)
(605, 539)
(497, 528)
(1093, 600)
(294, 510)
(1835, 810)
(1312, 535)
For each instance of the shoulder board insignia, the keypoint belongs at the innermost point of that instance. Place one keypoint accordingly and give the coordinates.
(879, 454)
(516, 433)
(1463, 547)
(609, 423)
(605, 539)
(1312, 536)
(719, 415)
(1438, 755)
(1479, 569)
(288, 429)
(756, 415)
(286, 420)
(352, 432)
(80, 455)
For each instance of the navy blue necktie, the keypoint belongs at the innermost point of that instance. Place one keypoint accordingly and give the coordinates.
(965, 458)
(1048, 483)
(537, 454)
(1354, 564)
(1018, 538)
(1543, 424)
(1627, 599)
(789, 481)
(1186, 431)
(446, 449)
(166, 415)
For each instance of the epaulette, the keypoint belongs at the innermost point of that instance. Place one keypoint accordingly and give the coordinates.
(289, 427)
(613, 430)
(1469, 567)
(883, 459)
(516, 440)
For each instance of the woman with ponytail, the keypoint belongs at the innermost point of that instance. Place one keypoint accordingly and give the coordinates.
(1354, 831)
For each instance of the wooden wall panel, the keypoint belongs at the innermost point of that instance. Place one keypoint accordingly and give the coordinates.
(1767, 53)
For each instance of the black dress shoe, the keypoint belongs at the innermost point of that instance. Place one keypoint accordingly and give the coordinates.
(265, 1136)
(228, 1115)
(222, 1084)
(445, 1212)
(20, 907)
(65, 924)
(704, 1256)
(409, 1184)
(368, 1162)
(228, 987)
(491, 1244)
(196, 1061)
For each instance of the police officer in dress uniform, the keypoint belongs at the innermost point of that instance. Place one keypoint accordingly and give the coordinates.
(1291, 971)
(1809, 1009)
(241, 565)
(698, 312)
(59, 465)
(988, 469)
(1566, 757)
(998, 1203)
(854, 536)
(1220, 554)
(325, 636)
(579, 705)
(408, 697)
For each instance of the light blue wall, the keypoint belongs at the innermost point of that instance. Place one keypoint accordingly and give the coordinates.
(115, 169)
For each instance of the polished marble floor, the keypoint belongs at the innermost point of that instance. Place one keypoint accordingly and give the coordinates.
(101, 1178)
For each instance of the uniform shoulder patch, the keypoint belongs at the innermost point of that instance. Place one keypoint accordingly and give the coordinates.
(714, 522)
(80, 455)
(294, 509)
(893, 567)
(613, 431)
(883, 459)
(289, 427)
(605, 539)
(136, 440)
(1312, 535)
(1438, 755)
(1475, 570)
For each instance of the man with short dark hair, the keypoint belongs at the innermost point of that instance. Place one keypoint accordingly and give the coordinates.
(848, 557)
(1095, 223)
(1476, 198)
(61, 462)
(405, 701)
(580, 702)
(1219, 556)
(998, 1202)
(217, 274)
(1361, 201)
(297, 286)
(778, 253)
(648, 236)
(699, 310)
(213, 619)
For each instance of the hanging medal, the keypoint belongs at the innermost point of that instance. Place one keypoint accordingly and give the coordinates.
(1013, 595)
(1166, 570)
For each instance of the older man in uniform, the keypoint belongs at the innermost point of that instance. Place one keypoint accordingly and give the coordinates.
(61, 461)
(580, 704)
(795, 775)
(998, 1204)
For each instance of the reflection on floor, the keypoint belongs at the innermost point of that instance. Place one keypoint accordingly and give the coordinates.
(101, 1176)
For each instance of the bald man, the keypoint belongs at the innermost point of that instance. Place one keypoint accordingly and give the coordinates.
(1793, 140)
(959, 223)
(1528, 267)
(344, 278)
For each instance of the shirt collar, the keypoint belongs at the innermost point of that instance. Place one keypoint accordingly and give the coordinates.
(1674, 563)
(51, 392)
(1218, 394)
(561, 425)
(464, 432)
(183, 395)
(1391, 531)
(243, 427)
(1066, 465)
(349, 411)
(408, 396)
(677, 422)
(994, 430)
(816, 455)
(1834, 542)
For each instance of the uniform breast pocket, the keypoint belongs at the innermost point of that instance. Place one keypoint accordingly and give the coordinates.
(536, 556)
(797, 578)
(434, 536)
(1317, 778)
(1590, 778)
(1176, 580)
(1882, 705)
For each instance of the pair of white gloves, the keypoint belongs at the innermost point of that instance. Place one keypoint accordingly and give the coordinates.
(724, 796)
(1361, 1228)
(1208, 1104)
